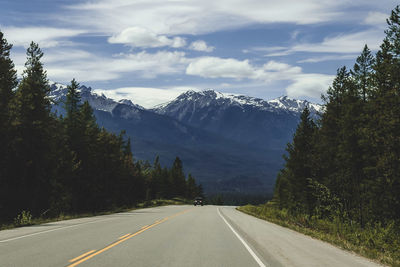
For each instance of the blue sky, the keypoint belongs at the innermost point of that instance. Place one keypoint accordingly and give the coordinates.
(151, 51)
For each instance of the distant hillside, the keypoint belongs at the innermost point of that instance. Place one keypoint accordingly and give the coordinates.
(248, 120)
(229, 143)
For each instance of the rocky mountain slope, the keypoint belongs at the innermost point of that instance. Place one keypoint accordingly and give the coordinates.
(229, 143)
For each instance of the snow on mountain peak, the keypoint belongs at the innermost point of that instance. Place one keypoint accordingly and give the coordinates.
(209, 97)
(58, 92)
(295, 105)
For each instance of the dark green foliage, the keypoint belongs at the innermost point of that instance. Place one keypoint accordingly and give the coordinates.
(347, 167)
(374, 240)
(362, 71)
(8, 81)
(51, 166)
(33, 142)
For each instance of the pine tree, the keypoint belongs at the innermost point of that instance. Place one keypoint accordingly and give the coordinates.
(156, 174)
(34, 139)
(328, 139)
(191, 188)
(350, 151)
(73, 99)
(384, 127)
(298, 164)
(8, 81)
(177, 178)
(72, 120)
(362, 71)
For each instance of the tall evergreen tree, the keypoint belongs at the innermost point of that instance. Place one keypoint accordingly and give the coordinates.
(72, 119)
(8, 81)
(177, 178)
(385, 123)
(298, 164)
(191, 191)
(362, 71)
(73, 99)
(350, 151)
(34, 139)
(328, 138)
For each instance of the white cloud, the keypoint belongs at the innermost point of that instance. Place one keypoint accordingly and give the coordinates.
(63, 65)
(280, 67)
(344, 43)
(309, 85)
(150, 64)
(301, 84)
(376, 19)
(200, 45)
(349, 43)
(328, 58)
(44, 36)
(141, 37)
(198, 17)
(214, 67)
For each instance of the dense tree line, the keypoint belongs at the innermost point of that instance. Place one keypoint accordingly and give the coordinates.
(51, 165)
(347, 164)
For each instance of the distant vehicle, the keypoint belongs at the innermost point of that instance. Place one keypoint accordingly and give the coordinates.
(198, 201)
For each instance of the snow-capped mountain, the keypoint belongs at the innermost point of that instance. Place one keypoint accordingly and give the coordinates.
(295, 105)
(253, 121)
(59, 91)
(214, 98)
(229, 143)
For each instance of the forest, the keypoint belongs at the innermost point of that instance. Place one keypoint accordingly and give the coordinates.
(341, 178)
(347, 164)
(52, 165)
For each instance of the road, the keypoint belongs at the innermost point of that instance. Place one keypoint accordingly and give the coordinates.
(168, 236)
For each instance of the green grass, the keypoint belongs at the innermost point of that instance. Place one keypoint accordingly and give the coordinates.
(24, 219)
(381, 244)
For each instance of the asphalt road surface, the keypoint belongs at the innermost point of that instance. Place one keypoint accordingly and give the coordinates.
(168, 236)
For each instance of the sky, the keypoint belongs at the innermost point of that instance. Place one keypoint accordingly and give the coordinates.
(150, 51)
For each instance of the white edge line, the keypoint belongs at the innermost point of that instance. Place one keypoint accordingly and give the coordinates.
(51, 230)
(256, 258)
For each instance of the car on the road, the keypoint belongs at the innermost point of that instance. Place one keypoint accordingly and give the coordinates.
(198, 201)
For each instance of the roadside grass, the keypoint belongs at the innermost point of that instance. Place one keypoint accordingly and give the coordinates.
(381, 244)
(25, 219)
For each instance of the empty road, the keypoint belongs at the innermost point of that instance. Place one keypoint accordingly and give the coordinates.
(168, 236)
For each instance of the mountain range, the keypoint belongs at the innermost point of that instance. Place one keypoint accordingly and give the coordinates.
(229, 143)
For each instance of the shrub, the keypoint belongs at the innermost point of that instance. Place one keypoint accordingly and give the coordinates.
(24, 218)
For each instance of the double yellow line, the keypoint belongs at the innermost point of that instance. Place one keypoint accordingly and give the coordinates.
(90, 254)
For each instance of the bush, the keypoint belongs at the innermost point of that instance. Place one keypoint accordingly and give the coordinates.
(23, 219)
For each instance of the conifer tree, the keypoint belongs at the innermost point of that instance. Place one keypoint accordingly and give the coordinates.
(328, 138)
(385, 122)
(34, 139)
(72, 119)
(73, 99)
(298, 164)
(8, 81)
(362, 72)
(191, 191)
(350, 152)
(177, 178)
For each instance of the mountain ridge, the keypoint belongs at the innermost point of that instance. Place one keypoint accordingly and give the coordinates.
(230, 144)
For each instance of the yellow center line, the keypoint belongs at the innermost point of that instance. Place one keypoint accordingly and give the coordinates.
(123, 239)
(144, 226)
(81, 256)
(124, 236)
